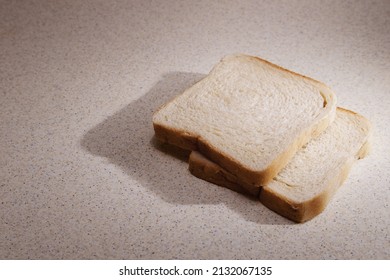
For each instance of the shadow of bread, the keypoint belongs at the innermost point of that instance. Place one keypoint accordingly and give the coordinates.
(127, 140)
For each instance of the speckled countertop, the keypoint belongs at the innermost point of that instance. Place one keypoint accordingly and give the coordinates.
(81, 176)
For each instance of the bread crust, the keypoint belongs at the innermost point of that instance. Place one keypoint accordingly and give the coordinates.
(207, 170)
(291, 72)
(190, 141)
(305, 211)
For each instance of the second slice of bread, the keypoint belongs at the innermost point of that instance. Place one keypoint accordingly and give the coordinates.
(248, 115)
(304, 187)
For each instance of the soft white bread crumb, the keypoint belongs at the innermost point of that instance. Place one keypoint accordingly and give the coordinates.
(247, 115)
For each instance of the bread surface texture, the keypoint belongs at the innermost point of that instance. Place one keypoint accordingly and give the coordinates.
(304, 187)
(248, 115)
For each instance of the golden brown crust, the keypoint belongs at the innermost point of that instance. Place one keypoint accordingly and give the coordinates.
(289, 71)
(175, 137)
(211, 172)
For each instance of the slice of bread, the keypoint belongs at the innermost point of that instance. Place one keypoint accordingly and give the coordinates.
(304, 187)
(248, 115)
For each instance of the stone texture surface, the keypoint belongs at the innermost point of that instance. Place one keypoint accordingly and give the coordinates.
(81, 176)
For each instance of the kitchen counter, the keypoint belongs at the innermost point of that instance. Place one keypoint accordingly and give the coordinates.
(81, 175)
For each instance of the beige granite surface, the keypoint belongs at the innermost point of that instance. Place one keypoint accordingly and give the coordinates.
(81, 176)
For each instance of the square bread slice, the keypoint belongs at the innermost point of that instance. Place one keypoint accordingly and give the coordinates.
(305, 186)
(247, 115)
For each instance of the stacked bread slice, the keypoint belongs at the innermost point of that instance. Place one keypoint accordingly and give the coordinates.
(259, 129)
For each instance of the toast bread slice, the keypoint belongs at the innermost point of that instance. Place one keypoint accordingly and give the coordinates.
(247, 115)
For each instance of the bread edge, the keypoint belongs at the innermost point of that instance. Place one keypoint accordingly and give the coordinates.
(207, 170)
